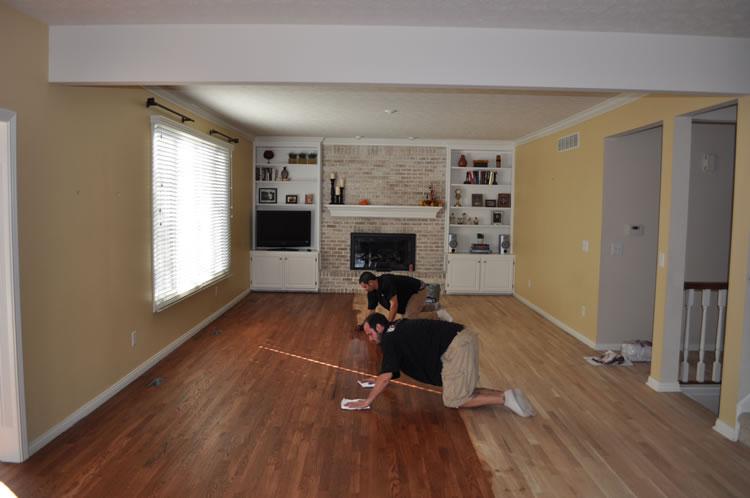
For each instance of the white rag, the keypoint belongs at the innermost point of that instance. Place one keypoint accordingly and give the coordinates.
(367, 384)
(345, 401)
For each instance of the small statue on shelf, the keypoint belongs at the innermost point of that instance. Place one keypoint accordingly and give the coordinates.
(457, 194)
(476, 220)
(284, 174)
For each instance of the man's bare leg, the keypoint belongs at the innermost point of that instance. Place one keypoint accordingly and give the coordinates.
(484, 397)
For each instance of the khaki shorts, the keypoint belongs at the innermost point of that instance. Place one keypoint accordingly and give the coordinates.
(460, 369)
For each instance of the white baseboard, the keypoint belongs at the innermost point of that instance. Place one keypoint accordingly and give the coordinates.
(570, 330)
(723, 428)
(99, 400)
(663, 387)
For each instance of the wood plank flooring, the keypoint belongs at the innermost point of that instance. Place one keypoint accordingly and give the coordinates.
(234, 419)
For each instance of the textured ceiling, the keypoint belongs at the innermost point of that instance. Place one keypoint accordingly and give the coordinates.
(347, 111)
(692, 17)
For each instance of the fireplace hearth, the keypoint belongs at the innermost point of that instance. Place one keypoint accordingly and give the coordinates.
(383, 251)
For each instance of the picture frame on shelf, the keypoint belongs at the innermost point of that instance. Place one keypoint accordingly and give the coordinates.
(477, 200)
(266, 195)
(309, 198)
(291, 199)
(497, 217)
(503, 200)
(490, 203)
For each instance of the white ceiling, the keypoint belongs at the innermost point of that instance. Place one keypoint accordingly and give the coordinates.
(690, 17)
(343, 111)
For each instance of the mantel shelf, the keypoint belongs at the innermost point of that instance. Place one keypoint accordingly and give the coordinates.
(370, 211)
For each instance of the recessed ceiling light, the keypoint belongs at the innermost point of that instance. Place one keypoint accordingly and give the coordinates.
(412, 138)
(359, 137)
(391, 111)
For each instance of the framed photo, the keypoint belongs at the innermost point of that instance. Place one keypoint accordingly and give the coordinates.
(477, 200)
(503, 200)
(497, 217)
(309, 198)
(490, 203)
(266, 195)
(291, 199)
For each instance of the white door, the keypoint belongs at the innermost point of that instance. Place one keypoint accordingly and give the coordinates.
(13, 445)
(497, 274)
(267, 270)
(463, 273)
(301, 271)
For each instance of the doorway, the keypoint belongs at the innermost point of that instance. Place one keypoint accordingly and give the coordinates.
(13, 441)
(629, 244)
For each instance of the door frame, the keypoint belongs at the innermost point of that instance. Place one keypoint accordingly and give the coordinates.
(12, 401)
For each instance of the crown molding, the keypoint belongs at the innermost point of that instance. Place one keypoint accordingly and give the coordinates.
(422, 142)
(181, 101)
(597, 110)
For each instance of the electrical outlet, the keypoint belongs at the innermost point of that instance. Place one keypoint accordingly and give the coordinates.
(529, 283)
(585, 245)
(133, 339)
(662, 259)
(583, 310)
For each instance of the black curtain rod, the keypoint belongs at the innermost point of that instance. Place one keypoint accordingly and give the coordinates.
(152, 102)
(226, 137)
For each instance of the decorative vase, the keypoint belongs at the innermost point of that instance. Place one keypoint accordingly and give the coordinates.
(268, 155)
(462, 162)
(284, 174)
(498, 161)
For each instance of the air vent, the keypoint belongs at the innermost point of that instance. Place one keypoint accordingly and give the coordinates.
(568, 142)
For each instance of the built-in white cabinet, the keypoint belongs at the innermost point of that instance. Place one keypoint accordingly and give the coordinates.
(284, 271)
(480, 274)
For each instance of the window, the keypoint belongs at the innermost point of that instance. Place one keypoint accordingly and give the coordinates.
(190, 192)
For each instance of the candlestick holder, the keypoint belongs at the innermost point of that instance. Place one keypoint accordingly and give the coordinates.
(333, 191)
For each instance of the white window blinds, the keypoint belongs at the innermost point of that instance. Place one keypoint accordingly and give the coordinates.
(191, 183)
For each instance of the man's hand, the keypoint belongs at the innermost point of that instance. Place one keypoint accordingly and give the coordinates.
(358, 404)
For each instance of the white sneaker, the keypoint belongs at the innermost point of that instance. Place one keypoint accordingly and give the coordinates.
(444, 315)
(517, 402)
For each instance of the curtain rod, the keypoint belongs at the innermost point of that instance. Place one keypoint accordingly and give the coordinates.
(152, 102)
(226, 137)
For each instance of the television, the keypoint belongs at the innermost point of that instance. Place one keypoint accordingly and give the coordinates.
(278, 229)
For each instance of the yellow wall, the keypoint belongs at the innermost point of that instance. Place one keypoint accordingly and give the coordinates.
(559, 203)
(738, 270)
(84, 230)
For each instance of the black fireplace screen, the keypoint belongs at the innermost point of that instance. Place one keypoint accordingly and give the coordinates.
(383, 251)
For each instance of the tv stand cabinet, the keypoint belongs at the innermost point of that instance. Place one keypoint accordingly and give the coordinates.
(284, 271)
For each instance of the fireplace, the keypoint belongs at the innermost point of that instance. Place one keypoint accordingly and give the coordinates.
(383, 251)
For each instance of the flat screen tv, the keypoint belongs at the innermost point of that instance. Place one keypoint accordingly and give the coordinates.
(283, 229)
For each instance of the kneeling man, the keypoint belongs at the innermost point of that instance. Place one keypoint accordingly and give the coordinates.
(438, 353)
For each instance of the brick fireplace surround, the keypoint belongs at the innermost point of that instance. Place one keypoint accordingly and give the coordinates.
(385, 175)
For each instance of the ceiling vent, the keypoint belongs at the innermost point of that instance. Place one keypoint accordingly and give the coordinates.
(568, 142)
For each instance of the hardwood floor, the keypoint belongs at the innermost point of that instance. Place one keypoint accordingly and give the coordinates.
(235, 419)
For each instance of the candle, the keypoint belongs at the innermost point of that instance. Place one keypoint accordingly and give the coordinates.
(333, 176)
(338, 190)
(341, 182)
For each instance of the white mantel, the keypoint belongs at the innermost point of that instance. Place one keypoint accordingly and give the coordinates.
(371, 211)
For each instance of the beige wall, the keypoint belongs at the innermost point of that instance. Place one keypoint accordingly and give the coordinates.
(84, 229)
(559, 203)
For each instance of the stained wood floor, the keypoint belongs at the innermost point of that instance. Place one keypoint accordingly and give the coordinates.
(235, 419)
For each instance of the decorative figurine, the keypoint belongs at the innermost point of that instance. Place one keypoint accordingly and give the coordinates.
(476, 220)
(452, 218)
(462, 162)
(457, 193)
(498, 161)
(284, 174)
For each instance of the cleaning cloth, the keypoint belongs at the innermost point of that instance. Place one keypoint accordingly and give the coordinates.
(345, 401)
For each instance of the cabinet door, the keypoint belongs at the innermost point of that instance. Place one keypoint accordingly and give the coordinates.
(267, 271)
(497, 275)
(301, 271)
(463, 274)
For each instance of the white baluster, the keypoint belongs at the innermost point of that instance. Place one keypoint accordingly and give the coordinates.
(722, 303)
(700, 373)
(689, 302)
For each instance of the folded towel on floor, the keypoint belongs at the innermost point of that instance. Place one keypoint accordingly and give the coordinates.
(367, 384)
(345, 401)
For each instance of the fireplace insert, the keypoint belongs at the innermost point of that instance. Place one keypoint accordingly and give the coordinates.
(383, 251)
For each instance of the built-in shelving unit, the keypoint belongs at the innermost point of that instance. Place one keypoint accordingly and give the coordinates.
(480, 174)
(286, 177)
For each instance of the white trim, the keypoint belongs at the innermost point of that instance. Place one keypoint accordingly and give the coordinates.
(597, 110)
(15, 375)
(731, 433)
(373, 211)
(102, 398)
(197, 109)
(451, 143)
(663, 387)
(567, 328)
(275, 141)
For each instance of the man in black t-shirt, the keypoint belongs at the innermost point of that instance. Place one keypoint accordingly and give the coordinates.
(438, 353)
(398, 294)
